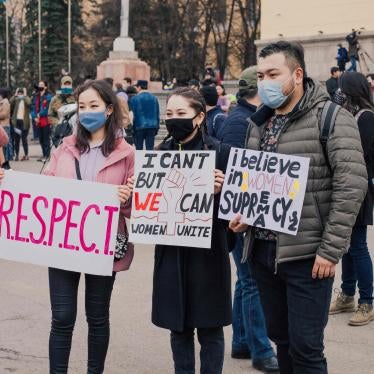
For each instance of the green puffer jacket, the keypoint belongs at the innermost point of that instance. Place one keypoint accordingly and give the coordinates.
(333, 197)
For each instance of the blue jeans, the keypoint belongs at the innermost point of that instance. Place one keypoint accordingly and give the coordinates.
(8, 149)
(249, 330)
(147, 136)
(296, 308)
(357, 267)
(211, 354)
(353, 66)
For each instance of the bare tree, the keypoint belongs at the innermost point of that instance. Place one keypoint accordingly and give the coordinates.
(222, 34)
(250, 12)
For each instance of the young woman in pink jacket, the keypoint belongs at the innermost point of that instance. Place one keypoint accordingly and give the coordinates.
(102, 156)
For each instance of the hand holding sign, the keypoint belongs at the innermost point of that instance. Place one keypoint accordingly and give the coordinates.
(219, 178)
(2, 174)
(125, 191)
(236, 226)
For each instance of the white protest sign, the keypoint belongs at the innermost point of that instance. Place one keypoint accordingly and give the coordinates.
(266, 189)
(173, 198)
(57, 222)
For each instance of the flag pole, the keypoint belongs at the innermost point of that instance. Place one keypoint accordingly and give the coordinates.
(40, 39)
(7, 44)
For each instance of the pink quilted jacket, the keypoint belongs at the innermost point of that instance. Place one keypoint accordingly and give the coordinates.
(117, 168)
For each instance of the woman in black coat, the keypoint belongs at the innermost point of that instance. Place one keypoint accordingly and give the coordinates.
(192, 286)
(357, 265)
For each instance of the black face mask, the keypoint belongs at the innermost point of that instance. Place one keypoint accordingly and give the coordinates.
(180, 128)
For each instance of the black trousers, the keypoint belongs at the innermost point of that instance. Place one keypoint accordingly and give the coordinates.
(45, 140)
(296, 310)
(63, 286)
(23, 137)
(211, 353)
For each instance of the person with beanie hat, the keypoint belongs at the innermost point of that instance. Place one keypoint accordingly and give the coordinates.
(64, 96)
(249, 339)
(215, 115)
(235, 127)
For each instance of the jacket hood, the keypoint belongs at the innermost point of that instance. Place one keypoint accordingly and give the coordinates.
(314, 94)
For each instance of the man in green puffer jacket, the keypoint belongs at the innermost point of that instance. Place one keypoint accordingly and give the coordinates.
(295, 274)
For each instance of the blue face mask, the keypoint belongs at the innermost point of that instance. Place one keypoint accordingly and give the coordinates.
(66, 90)
(271, 93)
(92, 121)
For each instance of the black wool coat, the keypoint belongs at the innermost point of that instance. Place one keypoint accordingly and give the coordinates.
(192, 286)
(366, 127)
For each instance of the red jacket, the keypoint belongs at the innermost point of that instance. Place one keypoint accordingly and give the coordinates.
(117, 168)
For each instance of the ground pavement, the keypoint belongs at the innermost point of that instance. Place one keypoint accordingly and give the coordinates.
(136, 346)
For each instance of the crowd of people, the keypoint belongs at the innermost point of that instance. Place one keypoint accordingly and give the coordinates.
(284, 283)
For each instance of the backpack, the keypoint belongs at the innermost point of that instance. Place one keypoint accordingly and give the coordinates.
(326, 124)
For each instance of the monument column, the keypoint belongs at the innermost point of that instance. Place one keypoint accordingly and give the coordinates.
(123, 60)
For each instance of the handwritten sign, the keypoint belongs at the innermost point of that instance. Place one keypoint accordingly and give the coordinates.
(266, 189)
(57, 222)
(173, 198)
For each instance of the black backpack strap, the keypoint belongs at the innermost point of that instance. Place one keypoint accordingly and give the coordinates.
(77, 169)
(327, 123)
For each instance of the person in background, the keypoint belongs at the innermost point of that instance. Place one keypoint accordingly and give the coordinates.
(236, 124)
(40, 115)
(353, 47)
(99, 154)
(5, 124)
(63, 97)
(357, 266)
(20, 106)
(370, 78)
(35, 130)
(194, 84)
(223, 100)
(249, 339)
(120, 92)
(342, 57)
(192, 286)
(123, 103)
(332, 84)
(109, 80)
(127, 82)
(146, 111)
(215, 116)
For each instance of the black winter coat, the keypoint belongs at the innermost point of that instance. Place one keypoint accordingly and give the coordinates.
(236, 124)
(192, 286)
(366, 126)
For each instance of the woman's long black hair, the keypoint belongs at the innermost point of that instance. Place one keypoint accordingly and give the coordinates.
(112, 124)
(357, 89)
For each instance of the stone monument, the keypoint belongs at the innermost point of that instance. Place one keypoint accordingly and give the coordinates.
(123, 61)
